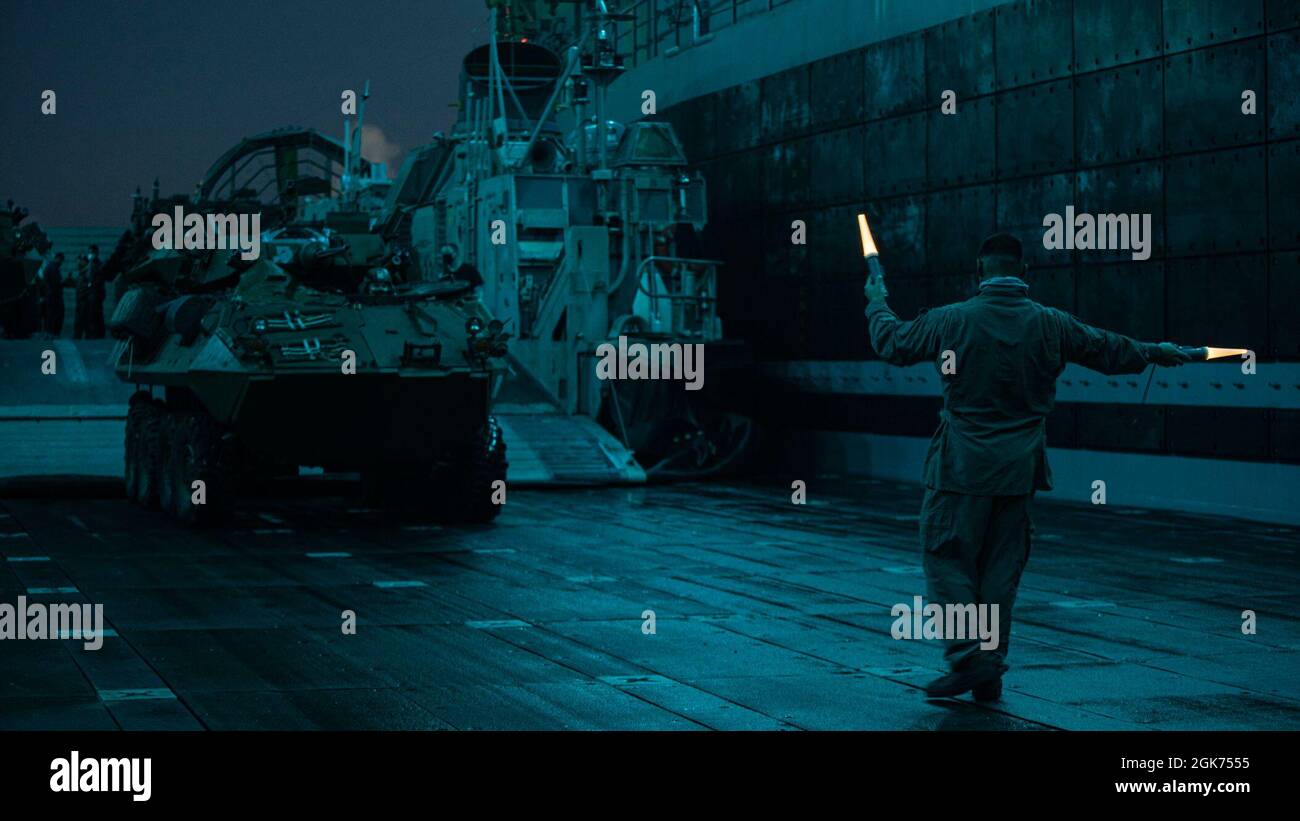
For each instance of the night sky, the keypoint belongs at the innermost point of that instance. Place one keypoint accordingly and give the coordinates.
(163, 87)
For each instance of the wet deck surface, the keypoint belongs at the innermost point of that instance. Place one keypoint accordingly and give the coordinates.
(767, 616)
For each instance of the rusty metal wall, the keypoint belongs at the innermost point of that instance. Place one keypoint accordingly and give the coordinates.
(1113, 106)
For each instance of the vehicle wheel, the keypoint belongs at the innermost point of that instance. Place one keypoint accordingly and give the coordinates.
(150, 454)
(165, 440)
(142, 423)
(197, 453)
(469, 495)
(134, 431)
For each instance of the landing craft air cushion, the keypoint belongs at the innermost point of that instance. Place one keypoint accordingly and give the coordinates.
(576, 226)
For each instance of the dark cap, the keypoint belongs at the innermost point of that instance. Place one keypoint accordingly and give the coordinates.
(1002, 245)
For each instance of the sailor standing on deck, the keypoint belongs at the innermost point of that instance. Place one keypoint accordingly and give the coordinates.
(51, 289)
(88, 322)
(988, 456)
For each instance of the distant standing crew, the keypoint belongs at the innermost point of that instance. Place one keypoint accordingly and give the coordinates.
(51, 287)
(89, 322)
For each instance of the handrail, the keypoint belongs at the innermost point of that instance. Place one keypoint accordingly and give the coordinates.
(711, 263)
(717, 13)
(679, 302)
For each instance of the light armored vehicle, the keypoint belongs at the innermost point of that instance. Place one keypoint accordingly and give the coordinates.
(319, 352)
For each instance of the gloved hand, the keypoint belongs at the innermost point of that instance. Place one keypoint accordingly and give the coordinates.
(1168, 355)
(875, 288)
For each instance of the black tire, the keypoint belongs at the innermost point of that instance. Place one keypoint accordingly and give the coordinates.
(134, 432)
(459, 492)
(470, 495)
(142, 467)
(166, 450)
(197, 453)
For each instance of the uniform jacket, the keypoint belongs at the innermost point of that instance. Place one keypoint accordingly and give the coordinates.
(51, 284)
(1008, 350)
(93, 277)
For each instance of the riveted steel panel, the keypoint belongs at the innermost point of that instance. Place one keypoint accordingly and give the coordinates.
(775, 242)
(1127, 298)
(738, 242)
(1282, 14)
(718, 196)
(798, 259)
(1203, 102)
(839, 324)
(1283, 297)
(1225, 433)
(1283, 211)
(1108, 33)
(1283, 103)
(1137, 188)
(835, 87)
(957, 222)
(1214, 203)
(785, 104)
(1033, 41)
(1220, 301)
(1062, 427)
(1118, 114)
(1191, 24)
(945, 290)
(1036, 129)
(960, 146)
(738, 117)
(1241, 433)
(833, 246)
(908, 296)
(898, 225)
(1191, 431)
(837, 162)
(736, 184)
(785, 306)
(893, 76)
(1051, 285)
(727, 12)
(781, 256)
(785, 174)
(1022, 205)
(1284, 435)
(959, 56)
(693, 122)
(894, 155)
(1120, 427)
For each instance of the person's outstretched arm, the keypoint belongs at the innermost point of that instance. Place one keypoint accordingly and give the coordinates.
(1109, 352)
(898, 342)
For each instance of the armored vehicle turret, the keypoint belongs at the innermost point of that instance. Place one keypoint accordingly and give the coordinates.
(314, 349)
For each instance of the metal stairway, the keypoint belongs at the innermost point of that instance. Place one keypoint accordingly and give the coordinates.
(545, 445)
(555, 448)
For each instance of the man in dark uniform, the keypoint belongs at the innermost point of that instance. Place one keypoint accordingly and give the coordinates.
(89, 320)
(51, 287)
(1004, 352)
